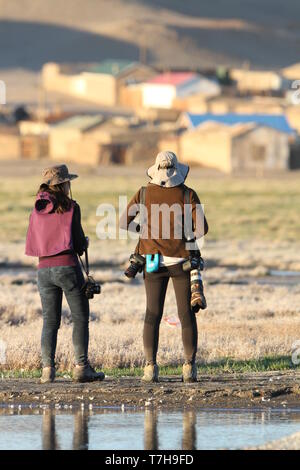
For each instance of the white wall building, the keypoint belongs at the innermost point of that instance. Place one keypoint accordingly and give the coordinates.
(162, 90)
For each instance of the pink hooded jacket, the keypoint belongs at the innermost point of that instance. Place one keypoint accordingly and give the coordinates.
(49, 233)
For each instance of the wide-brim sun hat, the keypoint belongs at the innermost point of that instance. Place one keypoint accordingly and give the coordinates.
(57, 175)
(167, 171)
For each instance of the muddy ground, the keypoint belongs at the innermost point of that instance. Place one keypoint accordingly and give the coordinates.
(270, 389)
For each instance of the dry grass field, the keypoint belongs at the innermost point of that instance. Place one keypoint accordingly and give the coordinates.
(252, 318)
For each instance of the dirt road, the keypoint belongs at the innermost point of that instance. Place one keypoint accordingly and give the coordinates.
(273, 389)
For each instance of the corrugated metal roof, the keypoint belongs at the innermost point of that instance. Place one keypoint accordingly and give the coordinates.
(172, 78)
(112, 67)
(275, 121)
(234, 130)
(80, 122)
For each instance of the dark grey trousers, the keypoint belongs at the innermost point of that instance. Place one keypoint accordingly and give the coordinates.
(52, 283)
(156, 287)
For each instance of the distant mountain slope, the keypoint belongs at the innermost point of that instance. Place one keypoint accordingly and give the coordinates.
(266, 33)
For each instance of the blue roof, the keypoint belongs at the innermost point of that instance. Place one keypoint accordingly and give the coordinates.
(276, 121)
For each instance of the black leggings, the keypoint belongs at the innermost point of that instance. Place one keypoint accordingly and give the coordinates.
(156, 287)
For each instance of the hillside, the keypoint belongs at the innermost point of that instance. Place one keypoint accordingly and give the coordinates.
(181, 33)
(176, 33)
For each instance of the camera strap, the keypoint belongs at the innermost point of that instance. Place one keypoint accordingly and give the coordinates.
(191, 235)
(85, 267)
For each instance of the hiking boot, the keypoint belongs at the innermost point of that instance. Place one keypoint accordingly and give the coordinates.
(86, 373)
(189, 373)
(48, 375)
(150, 373)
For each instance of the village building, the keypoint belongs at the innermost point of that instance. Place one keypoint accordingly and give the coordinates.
(97, 140)
(65, 136)
(170, 89)
(99, 83)
(275, 121)
(293, 116)
(258, 81)
(231, 144)
(238, 104)
(33, 139)
(34, 135)
(291, 72)
(9, 142)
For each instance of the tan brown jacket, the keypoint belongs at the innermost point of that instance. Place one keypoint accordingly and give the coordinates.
(172, 245)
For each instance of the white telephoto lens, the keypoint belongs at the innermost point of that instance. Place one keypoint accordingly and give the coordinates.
(196, 275)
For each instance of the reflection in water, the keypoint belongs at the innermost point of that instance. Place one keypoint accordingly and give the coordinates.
(189, 430)
(49, 438)
(80, 433)
(150, 430)
(81, 429)
(188, 433)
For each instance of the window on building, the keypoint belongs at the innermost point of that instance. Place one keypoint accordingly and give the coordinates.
(259, 153)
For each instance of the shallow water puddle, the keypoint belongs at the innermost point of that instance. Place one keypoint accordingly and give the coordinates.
(112, 429)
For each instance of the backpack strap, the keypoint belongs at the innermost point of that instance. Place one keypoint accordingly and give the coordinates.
(187, 200)
(187, 195)
(142, 204)
(143, 195)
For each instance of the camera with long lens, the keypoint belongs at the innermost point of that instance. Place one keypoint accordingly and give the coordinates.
(137, 263)
(198, 300)
(194, 265)
(91, 287)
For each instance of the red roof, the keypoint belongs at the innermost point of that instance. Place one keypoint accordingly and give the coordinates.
(172, 78)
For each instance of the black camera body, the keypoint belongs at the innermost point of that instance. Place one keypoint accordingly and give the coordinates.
(195, 261)
(137, 263)
(91, 288)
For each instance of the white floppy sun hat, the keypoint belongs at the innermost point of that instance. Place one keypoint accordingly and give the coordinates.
(167, 171)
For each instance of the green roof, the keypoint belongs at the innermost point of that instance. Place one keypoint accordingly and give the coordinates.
(80, 122)
(112, 67)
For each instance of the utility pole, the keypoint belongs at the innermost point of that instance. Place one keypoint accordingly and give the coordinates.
(143, 54)
(41, 101)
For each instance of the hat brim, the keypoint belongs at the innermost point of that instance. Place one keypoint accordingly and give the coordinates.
(72, 177)
(56, 182)
(158, 176)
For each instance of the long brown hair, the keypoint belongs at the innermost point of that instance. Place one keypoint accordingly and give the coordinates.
(63, 202)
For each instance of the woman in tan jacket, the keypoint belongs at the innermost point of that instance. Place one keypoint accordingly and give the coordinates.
(164, 203)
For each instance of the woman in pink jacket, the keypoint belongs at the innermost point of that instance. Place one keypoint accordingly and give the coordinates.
(56, 237)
